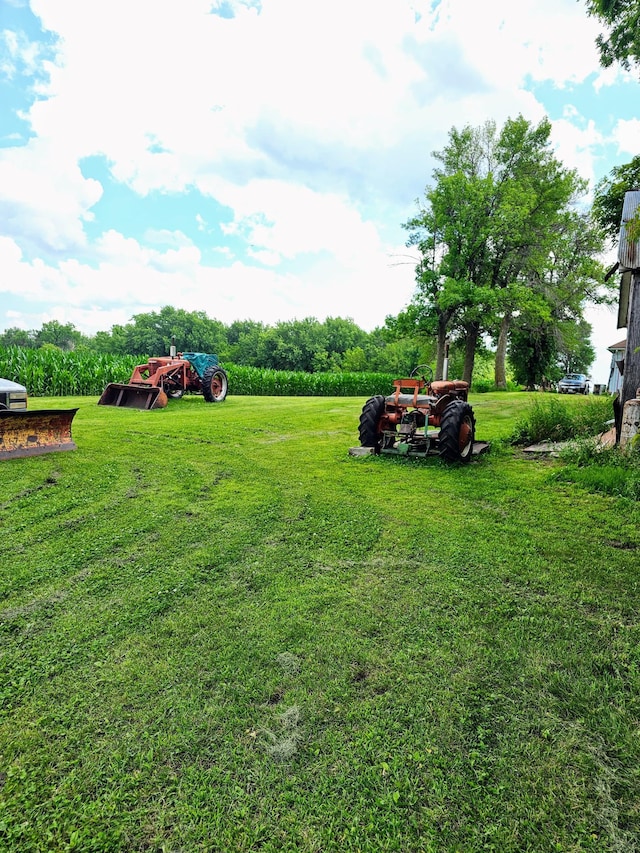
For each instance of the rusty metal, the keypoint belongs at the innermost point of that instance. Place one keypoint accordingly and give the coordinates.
(32, 433)
(152, 383)
(133, 396)
(422, 417)
(628, 248)
(147, 388)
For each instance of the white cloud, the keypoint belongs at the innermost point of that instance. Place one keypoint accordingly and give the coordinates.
(574, 145)
(44, 198)
(540, 39)
(289, 220)
(19, 55)
(626, 134)
(134, 278)
(192, 94)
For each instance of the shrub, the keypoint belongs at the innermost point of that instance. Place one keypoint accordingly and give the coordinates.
(551, 419)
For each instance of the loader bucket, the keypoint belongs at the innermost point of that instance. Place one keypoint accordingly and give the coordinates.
(133, 396)
(33, 433)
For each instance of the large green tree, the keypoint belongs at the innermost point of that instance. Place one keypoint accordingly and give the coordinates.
(575, 350)
(609, 196)
(62, 335)
(532, 348)
(15, 337)
(621, 42)
(450, 234)
(152, 333)
(497, 213)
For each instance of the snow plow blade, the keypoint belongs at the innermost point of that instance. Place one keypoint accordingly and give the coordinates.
(133, 396)
(33, 433)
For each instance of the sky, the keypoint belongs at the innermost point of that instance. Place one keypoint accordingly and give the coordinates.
(255, 159)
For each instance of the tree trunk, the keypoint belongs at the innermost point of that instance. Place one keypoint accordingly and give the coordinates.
(631, 375)
(501, 353)
(472, 330)
(442, 338)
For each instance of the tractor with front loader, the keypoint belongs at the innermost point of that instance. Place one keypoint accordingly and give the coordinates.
(422, 417)
(153, 383)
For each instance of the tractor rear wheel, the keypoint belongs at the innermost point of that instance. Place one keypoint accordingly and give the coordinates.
(214, 384)
(457, 432)
(369, 429)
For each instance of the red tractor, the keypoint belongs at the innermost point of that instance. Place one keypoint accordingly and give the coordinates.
(422, 417)
(151, 384)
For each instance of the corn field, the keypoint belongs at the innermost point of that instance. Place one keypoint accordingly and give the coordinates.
(50, 372)
(259, 382)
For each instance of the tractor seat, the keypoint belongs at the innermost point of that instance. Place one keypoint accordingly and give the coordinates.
(409, 400)
(444, 386)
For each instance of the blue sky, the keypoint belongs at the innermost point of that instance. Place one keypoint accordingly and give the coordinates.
(257, 159)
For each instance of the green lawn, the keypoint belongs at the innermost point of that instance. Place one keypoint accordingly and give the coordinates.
(220, 632)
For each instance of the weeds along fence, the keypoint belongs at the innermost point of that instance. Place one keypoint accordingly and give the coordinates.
(50, 372)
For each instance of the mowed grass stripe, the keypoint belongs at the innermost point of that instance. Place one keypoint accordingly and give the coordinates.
(245, 639)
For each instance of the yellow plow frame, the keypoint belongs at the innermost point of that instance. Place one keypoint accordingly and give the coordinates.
(31, 433)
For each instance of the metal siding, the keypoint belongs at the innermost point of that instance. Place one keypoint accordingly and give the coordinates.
(628, 251)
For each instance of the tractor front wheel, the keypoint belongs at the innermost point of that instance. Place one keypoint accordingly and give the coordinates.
(214, 384)
(457, 432)
(369, 429)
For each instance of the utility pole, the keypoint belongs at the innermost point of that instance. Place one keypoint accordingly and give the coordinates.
(629, 260)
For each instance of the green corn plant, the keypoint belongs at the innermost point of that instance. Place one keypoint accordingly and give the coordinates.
(48, 371)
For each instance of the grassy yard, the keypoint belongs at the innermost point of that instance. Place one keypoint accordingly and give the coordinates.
(219, 632)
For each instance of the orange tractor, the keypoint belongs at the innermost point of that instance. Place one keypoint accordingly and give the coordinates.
(422, 417)
(151, 384)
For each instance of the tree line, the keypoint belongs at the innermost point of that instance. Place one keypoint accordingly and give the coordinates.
(334, 345)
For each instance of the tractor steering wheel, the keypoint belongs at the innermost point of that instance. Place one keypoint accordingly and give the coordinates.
(424, 371)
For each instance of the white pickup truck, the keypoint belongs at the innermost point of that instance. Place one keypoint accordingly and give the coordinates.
(13, 396)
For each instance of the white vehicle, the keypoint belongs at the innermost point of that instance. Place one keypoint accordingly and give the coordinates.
(574, 383)
(13, 396)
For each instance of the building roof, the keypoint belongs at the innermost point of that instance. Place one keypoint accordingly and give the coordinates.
(621, 345)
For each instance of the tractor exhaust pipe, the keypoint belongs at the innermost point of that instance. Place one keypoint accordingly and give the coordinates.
(445, 366)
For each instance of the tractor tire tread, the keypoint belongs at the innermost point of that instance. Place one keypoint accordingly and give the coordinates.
(369, 433)
(450, 425)
(207, 378)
